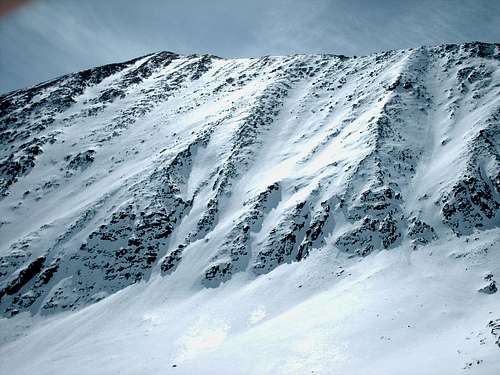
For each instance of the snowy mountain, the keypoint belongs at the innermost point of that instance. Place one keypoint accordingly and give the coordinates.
(278, 215)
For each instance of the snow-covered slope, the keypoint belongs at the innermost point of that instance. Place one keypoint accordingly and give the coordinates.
(279, 215)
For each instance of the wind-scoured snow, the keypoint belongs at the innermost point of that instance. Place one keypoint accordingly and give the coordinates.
(279, 215)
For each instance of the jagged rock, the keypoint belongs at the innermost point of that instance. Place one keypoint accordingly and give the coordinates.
(217, 274)
(470, 204)
(81, 160)
(23, 276)
(319, 227)
(420, 232)
(495, 330)
(491, 288)
(236, 245)
(360, 240)
(172, 260)
(282, 243)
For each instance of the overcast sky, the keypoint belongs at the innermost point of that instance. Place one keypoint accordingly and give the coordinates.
(46, 38)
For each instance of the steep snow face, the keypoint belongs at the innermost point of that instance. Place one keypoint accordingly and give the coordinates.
(208, 191)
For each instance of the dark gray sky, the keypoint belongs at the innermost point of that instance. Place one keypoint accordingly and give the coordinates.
(47, 38)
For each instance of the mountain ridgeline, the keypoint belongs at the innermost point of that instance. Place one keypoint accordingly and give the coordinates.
(207, 169)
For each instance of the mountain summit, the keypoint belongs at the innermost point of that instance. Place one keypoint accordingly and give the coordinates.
(278, 215)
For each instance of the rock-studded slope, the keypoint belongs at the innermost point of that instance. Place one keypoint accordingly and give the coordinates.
(211, 167)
